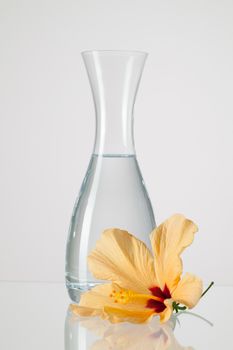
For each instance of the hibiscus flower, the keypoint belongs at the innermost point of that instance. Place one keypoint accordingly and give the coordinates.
(142, 284)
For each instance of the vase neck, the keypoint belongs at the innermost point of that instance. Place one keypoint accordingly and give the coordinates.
(114, 78)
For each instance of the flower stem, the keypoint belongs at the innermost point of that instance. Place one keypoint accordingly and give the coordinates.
(178, 308)
(211, 284)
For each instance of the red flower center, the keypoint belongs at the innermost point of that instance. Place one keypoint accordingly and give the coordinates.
(158, 306)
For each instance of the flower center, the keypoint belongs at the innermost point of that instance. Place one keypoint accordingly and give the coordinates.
(158, 306)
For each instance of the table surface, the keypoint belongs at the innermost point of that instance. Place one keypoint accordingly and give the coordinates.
(34, 316)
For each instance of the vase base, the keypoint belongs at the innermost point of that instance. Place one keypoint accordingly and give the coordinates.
(76, 289)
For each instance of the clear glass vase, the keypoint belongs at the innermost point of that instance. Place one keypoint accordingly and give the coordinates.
(113, 193)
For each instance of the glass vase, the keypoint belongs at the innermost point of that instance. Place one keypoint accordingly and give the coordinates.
(113, 193)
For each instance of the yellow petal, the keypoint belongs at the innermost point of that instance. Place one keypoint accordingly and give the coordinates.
(85, 311)
(168, 241)
(188, 291)
(97, 297)
(116, 315)
(105, 301)
(92, 302)
(123, 259)
(166, 314)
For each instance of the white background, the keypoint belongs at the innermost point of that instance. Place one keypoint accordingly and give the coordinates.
(183, 122)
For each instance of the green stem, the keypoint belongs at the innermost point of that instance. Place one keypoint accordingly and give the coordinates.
(181, 307)
(177, 308)
(211, 284)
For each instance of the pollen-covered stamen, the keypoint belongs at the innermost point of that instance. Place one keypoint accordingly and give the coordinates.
(124, 296)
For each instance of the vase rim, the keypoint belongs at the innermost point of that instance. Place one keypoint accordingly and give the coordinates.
(128, 52)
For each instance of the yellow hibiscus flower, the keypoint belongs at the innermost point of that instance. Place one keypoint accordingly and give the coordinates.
(142, 285)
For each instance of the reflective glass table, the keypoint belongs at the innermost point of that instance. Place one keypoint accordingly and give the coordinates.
(36, 316)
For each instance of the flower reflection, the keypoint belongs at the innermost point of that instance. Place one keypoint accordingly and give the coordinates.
(96, 334)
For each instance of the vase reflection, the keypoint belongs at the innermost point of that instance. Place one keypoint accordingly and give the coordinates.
(96, 334)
